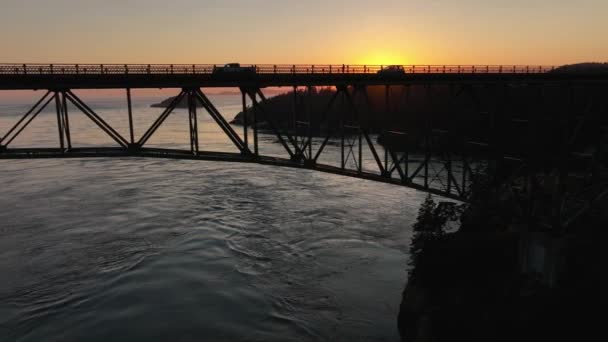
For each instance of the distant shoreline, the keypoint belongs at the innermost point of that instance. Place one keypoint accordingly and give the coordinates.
(184, 102)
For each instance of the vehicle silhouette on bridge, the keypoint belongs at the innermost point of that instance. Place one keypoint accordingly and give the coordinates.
(392, 70)
(233, 69)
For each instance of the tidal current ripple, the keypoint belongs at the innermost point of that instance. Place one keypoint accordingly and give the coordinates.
(155, 250)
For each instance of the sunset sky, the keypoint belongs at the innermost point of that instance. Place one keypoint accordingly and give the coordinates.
(304, 31)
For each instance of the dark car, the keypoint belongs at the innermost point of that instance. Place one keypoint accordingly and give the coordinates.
(392, 70)
(233, 68)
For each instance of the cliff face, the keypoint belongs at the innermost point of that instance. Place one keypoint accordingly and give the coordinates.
(460, 288)
(469, 289)
(471, 286)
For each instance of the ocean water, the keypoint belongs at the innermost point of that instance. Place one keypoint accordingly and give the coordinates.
(137, 249)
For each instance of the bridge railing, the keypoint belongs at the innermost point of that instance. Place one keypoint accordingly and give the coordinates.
(190, 69)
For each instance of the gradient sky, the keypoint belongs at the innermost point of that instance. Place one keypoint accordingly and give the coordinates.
(304, 31)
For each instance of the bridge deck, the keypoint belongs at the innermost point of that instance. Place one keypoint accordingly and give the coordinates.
(26, 82)
(99, 76)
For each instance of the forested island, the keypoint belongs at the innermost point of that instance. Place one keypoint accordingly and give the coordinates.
(463, 109)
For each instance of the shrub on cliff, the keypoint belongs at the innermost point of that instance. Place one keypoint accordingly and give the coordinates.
(431, 224)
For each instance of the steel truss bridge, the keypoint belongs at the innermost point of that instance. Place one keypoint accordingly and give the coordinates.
(439, 155)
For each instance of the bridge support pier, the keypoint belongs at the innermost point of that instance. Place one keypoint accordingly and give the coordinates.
(63, 122)
(193, 121)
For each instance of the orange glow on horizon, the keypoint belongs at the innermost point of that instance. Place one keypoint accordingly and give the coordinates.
(383, 58)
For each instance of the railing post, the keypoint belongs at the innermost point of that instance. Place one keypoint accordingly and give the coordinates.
(51, 67)
(24, 69)
(77, 69)
(171, 67)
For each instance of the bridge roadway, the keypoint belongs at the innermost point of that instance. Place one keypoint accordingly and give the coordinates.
(108, 76)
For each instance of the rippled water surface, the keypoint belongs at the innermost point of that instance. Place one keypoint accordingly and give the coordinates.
(154, 250)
